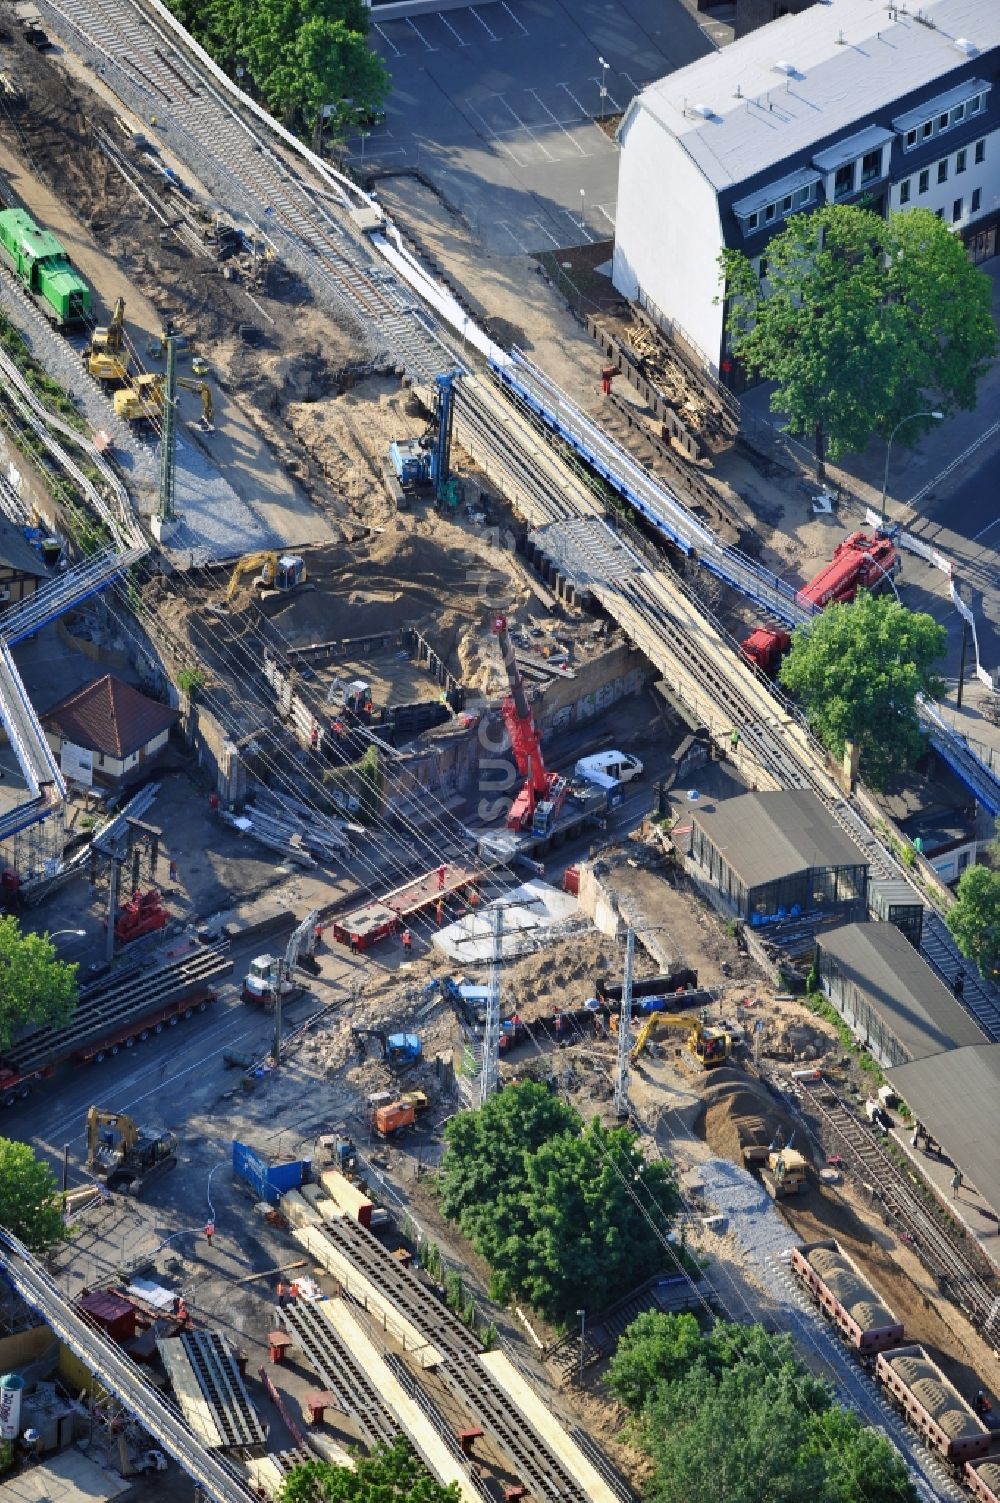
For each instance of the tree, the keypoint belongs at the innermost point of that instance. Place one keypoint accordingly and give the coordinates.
(37, 987)
(974, 917)
(303, 57)
(861, 321)
(29, 1202)
(559, 1213)
(857, 670)
(656, 1348)
(862, 1466)
(392, 1474)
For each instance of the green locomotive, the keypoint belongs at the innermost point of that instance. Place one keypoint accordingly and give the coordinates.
(44, 270)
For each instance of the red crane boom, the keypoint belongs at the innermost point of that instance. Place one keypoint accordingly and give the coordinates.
(541, 791)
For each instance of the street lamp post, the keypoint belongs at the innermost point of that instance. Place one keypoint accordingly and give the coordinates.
(604, 86)
(583, 1336)
(938, 418)
(583, 200)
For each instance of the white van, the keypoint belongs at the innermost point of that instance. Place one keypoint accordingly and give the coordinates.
(609, 764)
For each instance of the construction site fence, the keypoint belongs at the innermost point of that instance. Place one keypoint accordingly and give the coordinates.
(614, 350)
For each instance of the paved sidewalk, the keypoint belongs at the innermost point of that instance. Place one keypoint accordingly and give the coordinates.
(967, 1207)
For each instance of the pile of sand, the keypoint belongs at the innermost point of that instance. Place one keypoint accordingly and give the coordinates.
(740, 1112)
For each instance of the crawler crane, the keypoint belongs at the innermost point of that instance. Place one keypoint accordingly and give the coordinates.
(543, 793)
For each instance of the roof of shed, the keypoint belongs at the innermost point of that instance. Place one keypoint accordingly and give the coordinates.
(17, 553)
(109, 716)
(916, 1007)
(956, 1096)
(766, 836)
(773, 94)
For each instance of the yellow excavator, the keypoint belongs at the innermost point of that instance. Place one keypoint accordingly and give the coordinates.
(709, 1046)
(126, 1156)
(104, 357)
(279, 573)
(142, 401)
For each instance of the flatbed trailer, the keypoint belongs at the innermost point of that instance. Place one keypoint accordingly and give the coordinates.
(109, 1014)
(365, 927)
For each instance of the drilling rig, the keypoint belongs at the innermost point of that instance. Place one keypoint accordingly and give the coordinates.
(542, 793)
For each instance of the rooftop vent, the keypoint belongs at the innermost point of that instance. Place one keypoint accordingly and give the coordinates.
(964, 45)
(841, 39)
(704, 110)
(782, 67)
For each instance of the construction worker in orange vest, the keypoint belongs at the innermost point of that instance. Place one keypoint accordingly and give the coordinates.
(407, 941)
(442, 870)
(439, 911)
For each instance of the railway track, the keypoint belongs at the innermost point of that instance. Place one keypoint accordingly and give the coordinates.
(119, 1375)
(959, 1273)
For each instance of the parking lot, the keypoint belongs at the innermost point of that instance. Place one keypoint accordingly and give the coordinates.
(499, 106)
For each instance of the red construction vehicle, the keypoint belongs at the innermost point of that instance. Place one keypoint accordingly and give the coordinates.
(858, 563)
(543, 793)
(142, 914)
(766, 646)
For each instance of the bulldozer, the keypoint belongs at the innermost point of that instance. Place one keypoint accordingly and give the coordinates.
(279, 574)
(785, 1171)
(127, 1157)
(706, 1045)
(104, 357)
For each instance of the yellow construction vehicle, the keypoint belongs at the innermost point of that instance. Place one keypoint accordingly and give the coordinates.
(104, 357)
(142, 401)
(202, 389)
(279, 573)
(785, 1172)
(709, 1046)
(125, 1155)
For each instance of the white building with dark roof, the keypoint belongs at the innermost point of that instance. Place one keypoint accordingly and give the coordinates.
(852, 101)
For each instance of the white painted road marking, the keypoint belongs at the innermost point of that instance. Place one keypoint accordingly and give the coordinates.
(388, 40)
(474, 12)
(513, 17)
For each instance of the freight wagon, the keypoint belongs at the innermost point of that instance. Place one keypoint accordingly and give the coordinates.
(948, 1424)
(845, 1295)
(111, 1016)
(982, 1478)
(44, 270)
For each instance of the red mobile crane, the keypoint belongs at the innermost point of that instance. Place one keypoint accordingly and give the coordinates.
(859, 563)
(543, 793)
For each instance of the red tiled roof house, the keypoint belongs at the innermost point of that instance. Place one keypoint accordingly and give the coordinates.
(122, 729)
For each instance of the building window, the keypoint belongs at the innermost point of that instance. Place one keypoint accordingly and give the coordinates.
(871, 166)
(960, 161)
(942, 122)
(980, 152)
(752, 221)
(939, 213)
(924, 181)
(843, 183)
(904, 191)
(977, 198)
(805, 195)
(769, 213)
(926, 129)
(911, 139)
(762, 273)
(786, 204)
(956, 211)
(958, 114)
(943, 171)
(974, 104)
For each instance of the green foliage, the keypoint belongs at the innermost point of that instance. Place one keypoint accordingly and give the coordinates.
(37, 987)
(190, 681)
(29, 1202)
(864, 321)
(371, 781)
(974, 918)
(299, 56)
(555, 1208)
(392, 1474)
(733, 1414)
(857, 670)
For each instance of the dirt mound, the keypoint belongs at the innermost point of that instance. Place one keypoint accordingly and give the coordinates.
(741, 1113)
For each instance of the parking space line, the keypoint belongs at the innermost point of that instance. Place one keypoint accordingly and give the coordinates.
(505, 226)
(585, 113)
(609, 217)
(493, 136)
(420, 35)
(460, 40)
(387, 39)
(474, 12)
(579, 225)
(526, 128)
(513, 17)
(555, 121)
(545, 230)
(616, 107)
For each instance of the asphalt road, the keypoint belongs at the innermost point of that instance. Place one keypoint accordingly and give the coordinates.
(498, 104)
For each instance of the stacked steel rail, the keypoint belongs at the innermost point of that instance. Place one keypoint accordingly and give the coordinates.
(118, 1374)
(215, 1367)
(100, 1007)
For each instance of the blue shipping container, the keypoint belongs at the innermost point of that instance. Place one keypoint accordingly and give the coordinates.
(268, 1181)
